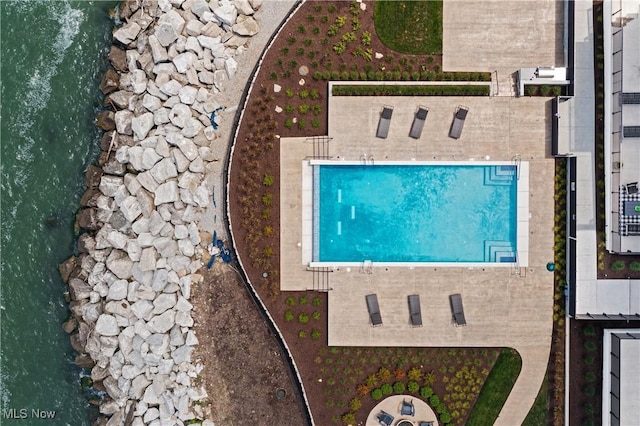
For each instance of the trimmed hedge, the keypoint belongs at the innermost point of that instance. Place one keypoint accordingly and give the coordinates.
(392, 90)
(402, 76)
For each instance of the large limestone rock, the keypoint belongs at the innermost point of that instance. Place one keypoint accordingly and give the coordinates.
(142, 124)
(174, 19)
(123, 122)
(248, 27)
(150, 102)
(130, 208)
(184, 61)
(166, 193)
(107, 325)
(109, 185)
(163, 170)
(119, 263)
(188, 95)
(199, 7)
(127, 33)
(166, 34)
(148, 259)
(230, 66)
(162, 323)
(158, 51)
(164, 302)
(186, 146)
(179, 115)
(226, 14)
(243, 6)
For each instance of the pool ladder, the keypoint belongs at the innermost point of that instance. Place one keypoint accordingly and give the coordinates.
(516, 160)
(367, 160)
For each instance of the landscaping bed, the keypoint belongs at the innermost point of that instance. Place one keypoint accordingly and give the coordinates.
(430, 90)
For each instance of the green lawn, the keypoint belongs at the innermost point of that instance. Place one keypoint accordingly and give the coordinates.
(410, 26)
(496, 388)
(538, 413)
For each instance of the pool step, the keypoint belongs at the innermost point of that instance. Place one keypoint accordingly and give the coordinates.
(499, 251)
(499, 175)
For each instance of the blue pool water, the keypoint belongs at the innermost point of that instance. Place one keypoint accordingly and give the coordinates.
(414, 213)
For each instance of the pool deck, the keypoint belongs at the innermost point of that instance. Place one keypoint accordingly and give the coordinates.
(503, 306)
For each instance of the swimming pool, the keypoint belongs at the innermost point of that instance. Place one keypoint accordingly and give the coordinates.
(415, 213)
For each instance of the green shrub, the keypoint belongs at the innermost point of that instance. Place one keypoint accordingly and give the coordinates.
(303, 318)
(289, 109)
(589, 331)
(355, 404)
(590, 376)
(387, 389)
(302, 334)
(302, 124)
(303, 300)
(316, 315)
(289, 93)
(413, 387)
(445, 418)
(316, 301)
(303, 109)
(590, 345)
(348, 418)
(434, 400)
(315, 334)
(426, 392)
(376, 394)
(618, 265)
(590, 390)
(268, 180)
(288, 123)
(634, 266)
(399, 387)
(315, 123)
(589, 359)
(290, 301)
(288, 315)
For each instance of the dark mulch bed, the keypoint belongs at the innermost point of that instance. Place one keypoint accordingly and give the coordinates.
(585, 369)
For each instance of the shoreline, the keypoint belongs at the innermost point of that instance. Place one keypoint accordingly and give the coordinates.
(147, 214)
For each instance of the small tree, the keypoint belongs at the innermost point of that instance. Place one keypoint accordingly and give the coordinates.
(376, 394)
(413, 387)
(399, 387)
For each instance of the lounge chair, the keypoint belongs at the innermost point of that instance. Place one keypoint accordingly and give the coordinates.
(632, 188)
(418, 122)
(457, 310)
(425, 424)
(384, 418)
(458, 122)
(374, 310)
(407, 408)
(385, 121)
(415, 314)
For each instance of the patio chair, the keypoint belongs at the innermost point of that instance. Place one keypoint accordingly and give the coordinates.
(457, 310)
(415, 313)
(384, 418)
(632, 188)
(385, 122)
(374, 310)
(418, 122)
(458, 122)
(425, 424)
(407, 408)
